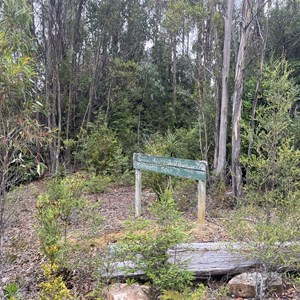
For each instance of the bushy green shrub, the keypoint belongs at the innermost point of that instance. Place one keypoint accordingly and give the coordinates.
(55, 209)
(146, 243)
(97, 184)
(101, 151)
(159, 145)
(53, 287)
(67, 194)
(188, 145)
(268, 219)
(273, 173)
(12, 292)
(63, 205)
(48, 228)
(198, 293)
(183, 143)
(271, 235)
(185, 194)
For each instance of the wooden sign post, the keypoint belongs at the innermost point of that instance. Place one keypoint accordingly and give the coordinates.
(193, 169)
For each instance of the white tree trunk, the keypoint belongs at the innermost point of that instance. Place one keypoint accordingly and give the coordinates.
(237, 97)
(221, 159)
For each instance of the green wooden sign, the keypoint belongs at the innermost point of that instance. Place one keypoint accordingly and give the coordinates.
(187, 168)
(193, 169)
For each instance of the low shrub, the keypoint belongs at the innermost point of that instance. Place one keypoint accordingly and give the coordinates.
(53, 287)
(101, 152)
(199, 293)
(146, 243)
(12, 292)
(97, 184)
(62, 206)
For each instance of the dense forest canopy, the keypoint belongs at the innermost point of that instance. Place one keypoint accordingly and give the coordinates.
(175, 77)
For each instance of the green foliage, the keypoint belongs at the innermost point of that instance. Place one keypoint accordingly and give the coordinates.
(284, 21)
(124, 105)
(159, 145)
(183, 143)
(188, 145)
(222, 292)
(269, 218)
(294, 279)
(60, 208)
(295, 129)
(49, 229)
(187, 294)
(185, 194)
(275, 179)
(66, 193)
(272, 169)
(12, 292)
(19, 132)
(178, 13)
(97, 184)
(271, 235)
(130, 281)
(53, 287)
(102, 152)
(146, 243)
(55, 209)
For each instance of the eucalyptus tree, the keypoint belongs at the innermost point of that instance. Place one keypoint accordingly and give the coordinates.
(54, 49)
(248, 8)
(284, 29)
(20, 132)
(208, 20)
(220, 161)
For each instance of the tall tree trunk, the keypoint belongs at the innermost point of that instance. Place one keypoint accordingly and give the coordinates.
(217, 42)
(221, 160)
(59, 116)
(73, 76)
(53, 37)
(217, 88)
(47, 22)
(237, 97)
(74, 68)
(174, 69)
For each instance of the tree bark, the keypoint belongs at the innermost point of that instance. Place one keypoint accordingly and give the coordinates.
(74, 63)
(237, 98)
(53, 32)
(174, 69)
(73, 76)
(221, 158)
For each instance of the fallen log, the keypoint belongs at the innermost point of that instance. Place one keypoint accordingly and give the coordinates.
(204, 259)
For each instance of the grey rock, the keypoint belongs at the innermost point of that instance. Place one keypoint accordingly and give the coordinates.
(128, 292)
(249, 285)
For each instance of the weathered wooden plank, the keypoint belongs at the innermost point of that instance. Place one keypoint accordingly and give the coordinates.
(193, 169)
(169, 170)
(204, 259)
(211, 259)
(201, 195)
(138, 193)
(171, 161)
